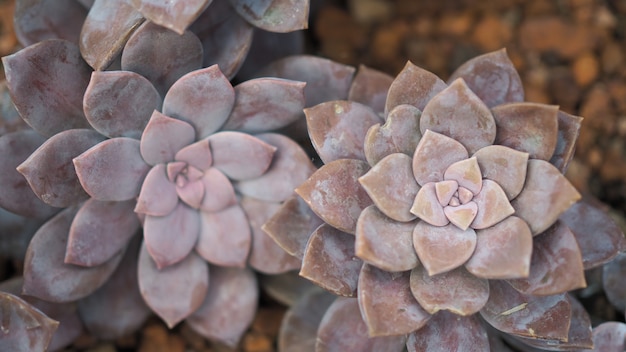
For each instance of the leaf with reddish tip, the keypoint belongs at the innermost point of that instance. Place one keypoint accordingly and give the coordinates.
(225, 237)
(414, 86)
(569, 128)
(24, 327)
(330, 262)
(229, 306)
(442, 248)
(392, 187)
(387, 304)
(492, 77)
(113, 170)
(609, 337)
(466, 173)
(197, 155)
(15, 194)
(239, 155)
(169, 239)
(33, 75)
(99, 231)
(449, 332)
(158, 195)
(203, 98)
(385, 243)
(160, 55)
(458, 113)
(38, 20)
(433, 155)
(163, 137)
(427, 207)
(50, 172)
(505, 166)
(503, 251)
(174, 292)
(338, 129)
(176, 16)
(275, 16)
(493, 206)
(120, 103)
(546, 195)
(107, 27)
(370, 88)
(343, 329)
(335, 195)
(47, 277)
(528, 127)
(399, 134)
(539, 317)
(219, 192)
(613, 274)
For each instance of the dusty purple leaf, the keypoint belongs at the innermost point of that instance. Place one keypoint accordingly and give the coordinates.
(505, 166)
(33, 75)
(197, 155)
(609, 337)
(613, 274)
(444, 248)
(569, 128)
(174, 292)
(219, 192)
(370, 87)
(191, 192)
(120, 103)
(11, 119)
(113, 170)
(38, 20)
(225, 237)
(163, 137)
(176, 16)
(414, 86)
(47, 277)
(335, 195)
(50, 171)
(274, 15)
(383, 242)
(446, 331)
(203, 98)
(99, 231)
(387, 304)
(466, 173)
(160, 55)
(427, 206)
(105, 31)
(426, 168)
(240, 156)
(158, 195)
(493, 206)
(343, 329)
(330, 262)
(229, 306)
(24, 327)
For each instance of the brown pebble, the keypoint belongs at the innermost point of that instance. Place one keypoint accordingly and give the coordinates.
(556, 34)
(85, 341)
(267, 320)
(585, 69)
(107, 347)
(492, 33)
(578, 174)
(387, 42)
(612, 57)
(194, 340)
(257, 342)
(596, 108)
(457, 24)
(371, 11)
(129, 341)
(156, 338)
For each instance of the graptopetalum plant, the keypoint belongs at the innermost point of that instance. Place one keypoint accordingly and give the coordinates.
(447, 214)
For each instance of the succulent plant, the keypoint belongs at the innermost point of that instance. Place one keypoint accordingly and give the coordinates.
(452, 204)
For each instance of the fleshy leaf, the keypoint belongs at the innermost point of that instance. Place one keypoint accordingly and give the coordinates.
(613, 274)
(99, 231)
(229, 306)
(47, 277)
(335, 195)
(163, 137)
(287, 288)
(50, 172)
(528, 127)
(265, 104)
(370, 88)
(569, 128)
(444, 248)
(392, 187)
(169, 239)
(191, 192)
(239, 155)
(158, 195)
(505, 166)
(120, 103)
(343, 329)
(466, 173)
(330, 262)
(609, 336)
(113, 170)
(176, 16)
(387, 304)
(24, 327)
(414, 86)
(219, 192)
(107, 27)
(546, 195)
(197, 155)
(433, 155)
(449, 332)
(225, 237)
(493, 206)
(187, 281)
(385, 243)
(461, 215)
(427, 207)
(33, 75)
(338, 129)
(274, 15)
(458, 113)
(203, 98)
(38, 20)
(503, 251)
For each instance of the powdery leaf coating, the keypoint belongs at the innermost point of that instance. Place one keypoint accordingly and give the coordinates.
(414, 86)
(456, 291)
(387, 304)
(613, 274)
(528, 127)
(493, 206)
(240, 156)
(338, 128)
(177, 15)
(434, 153)
(274, 15)
(105, 31)
(503, 251)
(444, 248)
(370, 88)
(119, 103)
(47, 277)
(399, 134)
(24, 327)
(569, 128)
(506, 166)
(33, 75)
(112, 170)
(392, 187)
(38, 20)
(330, 262)
(175, 292)
(343, 329)
(466, 173)
(163, 137)
(539, 317)
(50, 172)
(99, 231)
(609, 337)
(219, 192)
(427, 207)
(556, 264)
(385, 243)
(203, 98)
(197, 155)
(461, 215)
(158, 195)
(546, 195)
(449, 332)
(335, 195)
(225, 237)
(458, 113)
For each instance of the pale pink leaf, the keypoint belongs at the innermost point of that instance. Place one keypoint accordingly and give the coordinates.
(275, 16)
(158, 195)
(163, 137)
(505, 166)
(239, 155)
(414, 86)
(176, 16)
(433, 155)
(225, 237)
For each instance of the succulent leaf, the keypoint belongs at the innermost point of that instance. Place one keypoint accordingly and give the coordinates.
(569, 128)
(505, 166)
(225, 237)
(370, 88)
(274, 15)
(466, 173)
(176, 16)
(399, 134)
(219, 192)
(458, 248)
(446, 331)
(609, 336)
(158, 195)
(240, 156)
(428, 168)
(24, 327)
(427, 206)
(38, 20)
(414, 86)
(197, 154)
(164, 137)
(493, 206)
(613, 281)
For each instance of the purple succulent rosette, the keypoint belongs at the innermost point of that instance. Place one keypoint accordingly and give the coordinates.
(453, 204)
